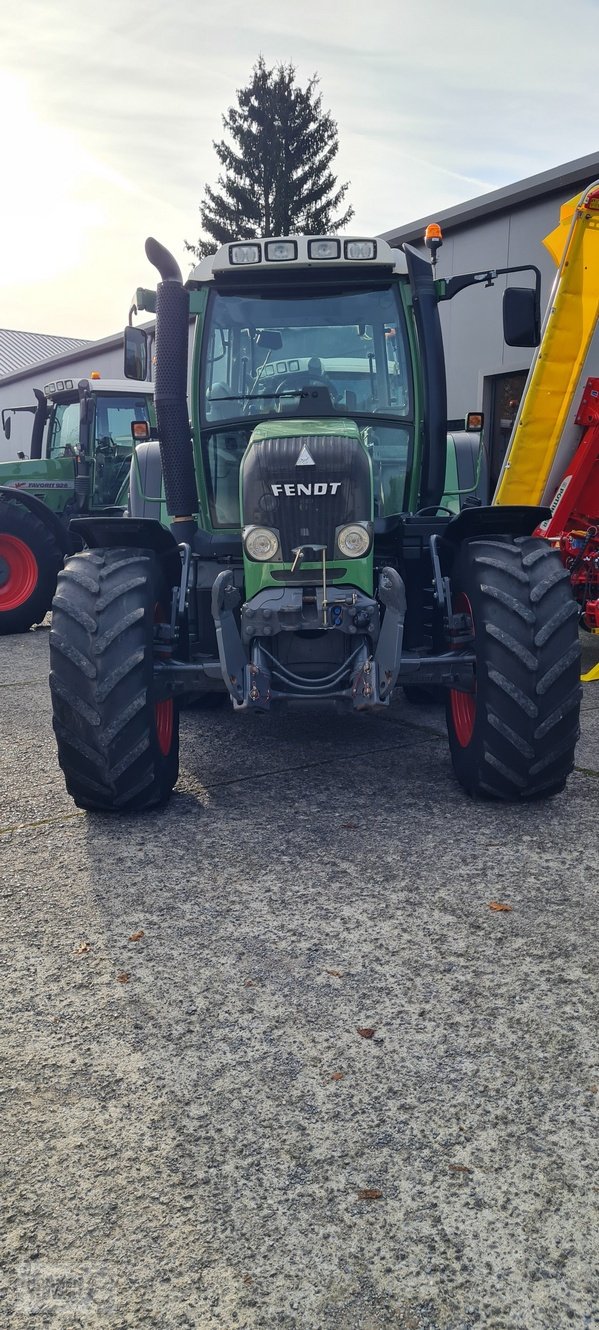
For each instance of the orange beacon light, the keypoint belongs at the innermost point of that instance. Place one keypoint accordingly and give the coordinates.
(433, 239)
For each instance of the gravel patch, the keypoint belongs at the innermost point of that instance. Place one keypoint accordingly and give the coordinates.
(196, 1133)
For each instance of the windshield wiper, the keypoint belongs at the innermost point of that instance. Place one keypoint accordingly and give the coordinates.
(256, 397)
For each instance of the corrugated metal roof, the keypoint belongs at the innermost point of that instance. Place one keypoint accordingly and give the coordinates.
(19, 350)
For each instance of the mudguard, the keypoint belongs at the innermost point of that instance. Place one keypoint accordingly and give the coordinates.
(475, 523)
(130, 533)
(66, 542)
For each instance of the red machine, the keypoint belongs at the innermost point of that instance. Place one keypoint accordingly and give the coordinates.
(574, 524)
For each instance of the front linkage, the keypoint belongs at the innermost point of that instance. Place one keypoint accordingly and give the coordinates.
(254, 676)
(374, 659)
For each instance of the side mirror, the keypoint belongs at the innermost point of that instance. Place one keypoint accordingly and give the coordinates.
(135, 353)
(521, 316)
(6, 425)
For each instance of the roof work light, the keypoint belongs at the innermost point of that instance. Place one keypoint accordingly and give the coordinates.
(324, 249)
(244, 254)
(433, 239)
(359, 249)
(280, 251)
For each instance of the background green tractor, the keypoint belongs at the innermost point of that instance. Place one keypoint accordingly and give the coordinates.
(298, 541)
(79, 462)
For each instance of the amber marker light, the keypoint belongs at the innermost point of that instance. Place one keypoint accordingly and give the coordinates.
(95, 374)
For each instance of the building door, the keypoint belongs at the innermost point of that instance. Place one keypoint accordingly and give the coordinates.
(506, 391)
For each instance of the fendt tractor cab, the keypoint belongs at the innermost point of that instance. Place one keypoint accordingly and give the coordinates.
(293, 542)
(81, 441)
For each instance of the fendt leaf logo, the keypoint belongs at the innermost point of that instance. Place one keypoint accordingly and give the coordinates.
(305, 458)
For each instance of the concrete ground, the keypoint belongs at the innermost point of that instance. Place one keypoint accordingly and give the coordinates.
(198, 1131)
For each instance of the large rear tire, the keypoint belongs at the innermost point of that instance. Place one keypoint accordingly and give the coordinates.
(118, 738)
(30, 560)
(514, 738)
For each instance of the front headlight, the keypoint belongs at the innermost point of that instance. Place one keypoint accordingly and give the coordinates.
(353, 540)
(261, 543)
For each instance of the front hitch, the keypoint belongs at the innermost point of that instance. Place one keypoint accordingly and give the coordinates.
(375, 680)
(248, 683)
(233, 659)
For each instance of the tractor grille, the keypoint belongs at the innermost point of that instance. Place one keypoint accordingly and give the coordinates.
(306, 503)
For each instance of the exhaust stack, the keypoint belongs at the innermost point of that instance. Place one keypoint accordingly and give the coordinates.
(39, 424)
(170, 393)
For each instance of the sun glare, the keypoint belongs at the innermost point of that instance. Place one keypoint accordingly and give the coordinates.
(46, 218)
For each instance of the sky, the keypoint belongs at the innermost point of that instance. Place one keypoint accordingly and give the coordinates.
(109, 111)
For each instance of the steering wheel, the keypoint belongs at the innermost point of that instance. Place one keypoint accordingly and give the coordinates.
(106, 445)
(305, 379)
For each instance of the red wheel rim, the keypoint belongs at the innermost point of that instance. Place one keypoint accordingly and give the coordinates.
(22, 572)
(463, 705)
(164, 713)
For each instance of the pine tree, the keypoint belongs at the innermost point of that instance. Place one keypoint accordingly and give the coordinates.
(277, 176)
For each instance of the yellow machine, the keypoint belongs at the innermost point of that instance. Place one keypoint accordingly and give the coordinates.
(553, 455)
(545, 434)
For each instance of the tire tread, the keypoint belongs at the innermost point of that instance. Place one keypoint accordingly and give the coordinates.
(528, 669)
(102, 683)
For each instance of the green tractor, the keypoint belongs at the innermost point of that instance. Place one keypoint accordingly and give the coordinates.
(79, 462)
(297, 542)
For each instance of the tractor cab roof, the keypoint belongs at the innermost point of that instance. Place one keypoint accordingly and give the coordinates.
(344, 254)
(60, 388)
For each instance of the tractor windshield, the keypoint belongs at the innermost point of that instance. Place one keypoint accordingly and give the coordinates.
(261, 351)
